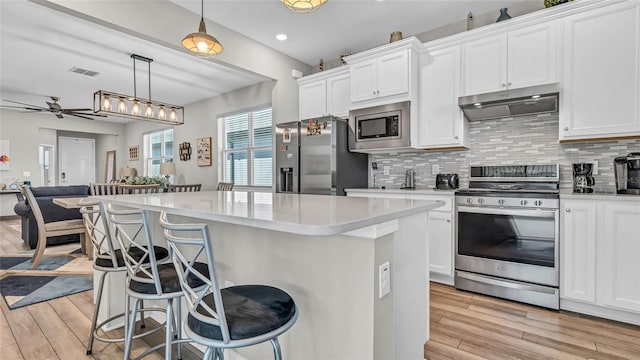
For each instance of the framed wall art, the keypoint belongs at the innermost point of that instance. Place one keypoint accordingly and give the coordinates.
(5, 156)
(134, 152)
(204, 151)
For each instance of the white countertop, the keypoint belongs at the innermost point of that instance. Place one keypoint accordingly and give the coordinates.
(293, 213)
(611, 196)
(403, 191)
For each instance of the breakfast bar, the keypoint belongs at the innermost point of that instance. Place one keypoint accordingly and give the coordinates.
(328, 253)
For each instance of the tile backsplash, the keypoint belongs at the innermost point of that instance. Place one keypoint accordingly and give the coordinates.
(521, 140)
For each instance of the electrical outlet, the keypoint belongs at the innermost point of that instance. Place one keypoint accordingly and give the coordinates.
(26, 173)
(594, 170)
(435, 168)
(384, 279)
(228, 283)
(385, 170)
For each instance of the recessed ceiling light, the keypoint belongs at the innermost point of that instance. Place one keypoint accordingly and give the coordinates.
(535, 97)
(281, 37)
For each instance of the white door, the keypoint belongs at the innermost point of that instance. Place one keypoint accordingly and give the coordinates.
(393, 74)
(46, 160)
(364, 80)
(440, 244)
(338, 100)
(77, 161)
(313, 100)
(532, 58)
(485, 65)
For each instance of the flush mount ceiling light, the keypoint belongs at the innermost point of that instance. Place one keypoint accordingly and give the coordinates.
(303, 6)
(136, 108)
(200, 43)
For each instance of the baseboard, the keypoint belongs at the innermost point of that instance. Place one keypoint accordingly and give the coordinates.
(600, 311)
(442, 279)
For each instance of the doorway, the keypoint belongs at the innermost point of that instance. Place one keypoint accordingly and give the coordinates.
(46, 157)
(76, 161)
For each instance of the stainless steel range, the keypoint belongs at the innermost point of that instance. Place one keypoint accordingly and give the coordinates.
(507, 233)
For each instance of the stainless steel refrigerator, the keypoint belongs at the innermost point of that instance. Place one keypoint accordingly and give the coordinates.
(312, 157)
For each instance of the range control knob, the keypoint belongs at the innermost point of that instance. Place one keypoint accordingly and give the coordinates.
(469, 200)
(523, 202)
(538, 202)
(501, 202)
(480, 201)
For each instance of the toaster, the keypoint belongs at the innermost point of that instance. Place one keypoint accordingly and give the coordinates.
(446, 181)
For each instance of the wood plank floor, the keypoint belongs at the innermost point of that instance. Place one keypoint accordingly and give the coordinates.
(463, 326)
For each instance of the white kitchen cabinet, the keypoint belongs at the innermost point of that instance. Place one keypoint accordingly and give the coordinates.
(519, 58)
(618, 249)
(578, 250)
(383, 76)
(441, 122)
(599, 247)
(601, 76)
(324, 93)
(440, 229)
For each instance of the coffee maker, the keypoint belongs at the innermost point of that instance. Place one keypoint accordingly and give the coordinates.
(627, 172)
(582, 178)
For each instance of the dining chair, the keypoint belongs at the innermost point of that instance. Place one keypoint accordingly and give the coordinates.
(103, 188)
(184, 187)
(139, 189)
(225, 186)
(232, 317)
(147, 278)
(49, 229)
(109, 259)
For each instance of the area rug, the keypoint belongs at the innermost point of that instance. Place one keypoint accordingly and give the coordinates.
(23, 290)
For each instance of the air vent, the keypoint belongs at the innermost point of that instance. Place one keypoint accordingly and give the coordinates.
(78, 70)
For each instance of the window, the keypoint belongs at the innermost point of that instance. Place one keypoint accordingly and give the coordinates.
(247, 148)
(158, 147)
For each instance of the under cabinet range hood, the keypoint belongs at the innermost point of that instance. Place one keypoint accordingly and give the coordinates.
(531, 100)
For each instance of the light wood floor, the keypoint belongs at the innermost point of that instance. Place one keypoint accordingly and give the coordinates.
(463, 326)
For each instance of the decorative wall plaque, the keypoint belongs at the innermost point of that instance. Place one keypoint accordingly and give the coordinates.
(185, 151)
(134, 151)
(204, 151)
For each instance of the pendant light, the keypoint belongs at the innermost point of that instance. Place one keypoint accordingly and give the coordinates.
(200, 43)
(303, 6)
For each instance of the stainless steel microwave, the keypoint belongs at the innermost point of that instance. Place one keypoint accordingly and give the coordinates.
(381, 127)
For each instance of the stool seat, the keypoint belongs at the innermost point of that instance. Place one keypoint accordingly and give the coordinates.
(169, 280)
(251, 310)
(104, 260)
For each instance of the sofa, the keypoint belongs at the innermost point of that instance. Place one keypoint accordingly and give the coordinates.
(50, 212)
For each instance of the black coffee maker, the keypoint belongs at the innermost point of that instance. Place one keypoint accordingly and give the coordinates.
(627, 172)
(582, 178)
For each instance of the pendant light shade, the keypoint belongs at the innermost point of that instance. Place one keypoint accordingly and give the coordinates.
(200, 43)
(303, 6)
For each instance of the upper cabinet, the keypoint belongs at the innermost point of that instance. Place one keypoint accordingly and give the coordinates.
(324, 93)
(385, 74)
(519, 58)
(441, 122)
(601, 77)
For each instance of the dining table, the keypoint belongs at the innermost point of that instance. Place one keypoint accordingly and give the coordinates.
(77, 203)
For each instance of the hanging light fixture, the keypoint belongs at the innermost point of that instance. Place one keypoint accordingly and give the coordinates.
(200, 43)
(303, 6)
(132, 107)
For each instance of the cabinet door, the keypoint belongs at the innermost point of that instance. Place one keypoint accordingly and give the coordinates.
(618, 250)
(393, 74)
(532, 57)
(338, 95)
(578, 250)
(439, 236)
(441, 120)
(312, 99)
(364, 80)
(601, 75)
(485, 65)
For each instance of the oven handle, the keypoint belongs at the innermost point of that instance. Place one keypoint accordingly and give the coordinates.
(505, 283)
(522, 212)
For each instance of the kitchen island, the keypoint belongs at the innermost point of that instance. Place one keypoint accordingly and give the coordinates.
(326, 251)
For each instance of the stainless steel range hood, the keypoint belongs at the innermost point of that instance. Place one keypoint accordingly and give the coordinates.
(532, 100)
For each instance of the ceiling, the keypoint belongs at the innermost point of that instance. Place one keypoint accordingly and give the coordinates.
(338, 26)
(44, 44)
(39, 45)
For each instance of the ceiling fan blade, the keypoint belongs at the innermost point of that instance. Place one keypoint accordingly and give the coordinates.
(80, 116)
(20, 107)
(66, 111)
(73, 110)
(29, 105)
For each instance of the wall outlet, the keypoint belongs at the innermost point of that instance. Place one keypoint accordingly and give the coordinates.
(594, 170)
(435, 169)
(385, 170)
(26, 173)
(228, 283)
(384, 279)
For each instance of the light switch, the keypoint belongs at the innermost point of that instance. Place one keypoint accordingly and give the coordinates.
(384, 279)
(26, 173)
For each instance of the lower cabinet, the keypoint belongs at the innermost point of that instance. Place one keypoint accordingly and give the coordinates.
(599, 247)
(439, 236)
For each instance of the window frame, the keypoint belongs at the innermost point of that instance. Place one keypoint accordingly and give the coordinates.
(147, 158)
(249, 150)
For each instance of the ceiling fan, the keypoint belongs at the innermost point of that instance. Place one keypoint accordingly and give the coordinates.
(54, 108)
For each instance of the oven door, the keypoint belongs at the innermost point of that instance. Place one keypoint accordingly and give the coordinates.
(518, 244)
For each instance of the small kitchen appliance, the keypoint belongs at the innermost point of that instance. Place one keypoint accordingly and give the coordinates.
(582, 178)
(409, 179)
(627, 172)
(446, 181)
(381, 127)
